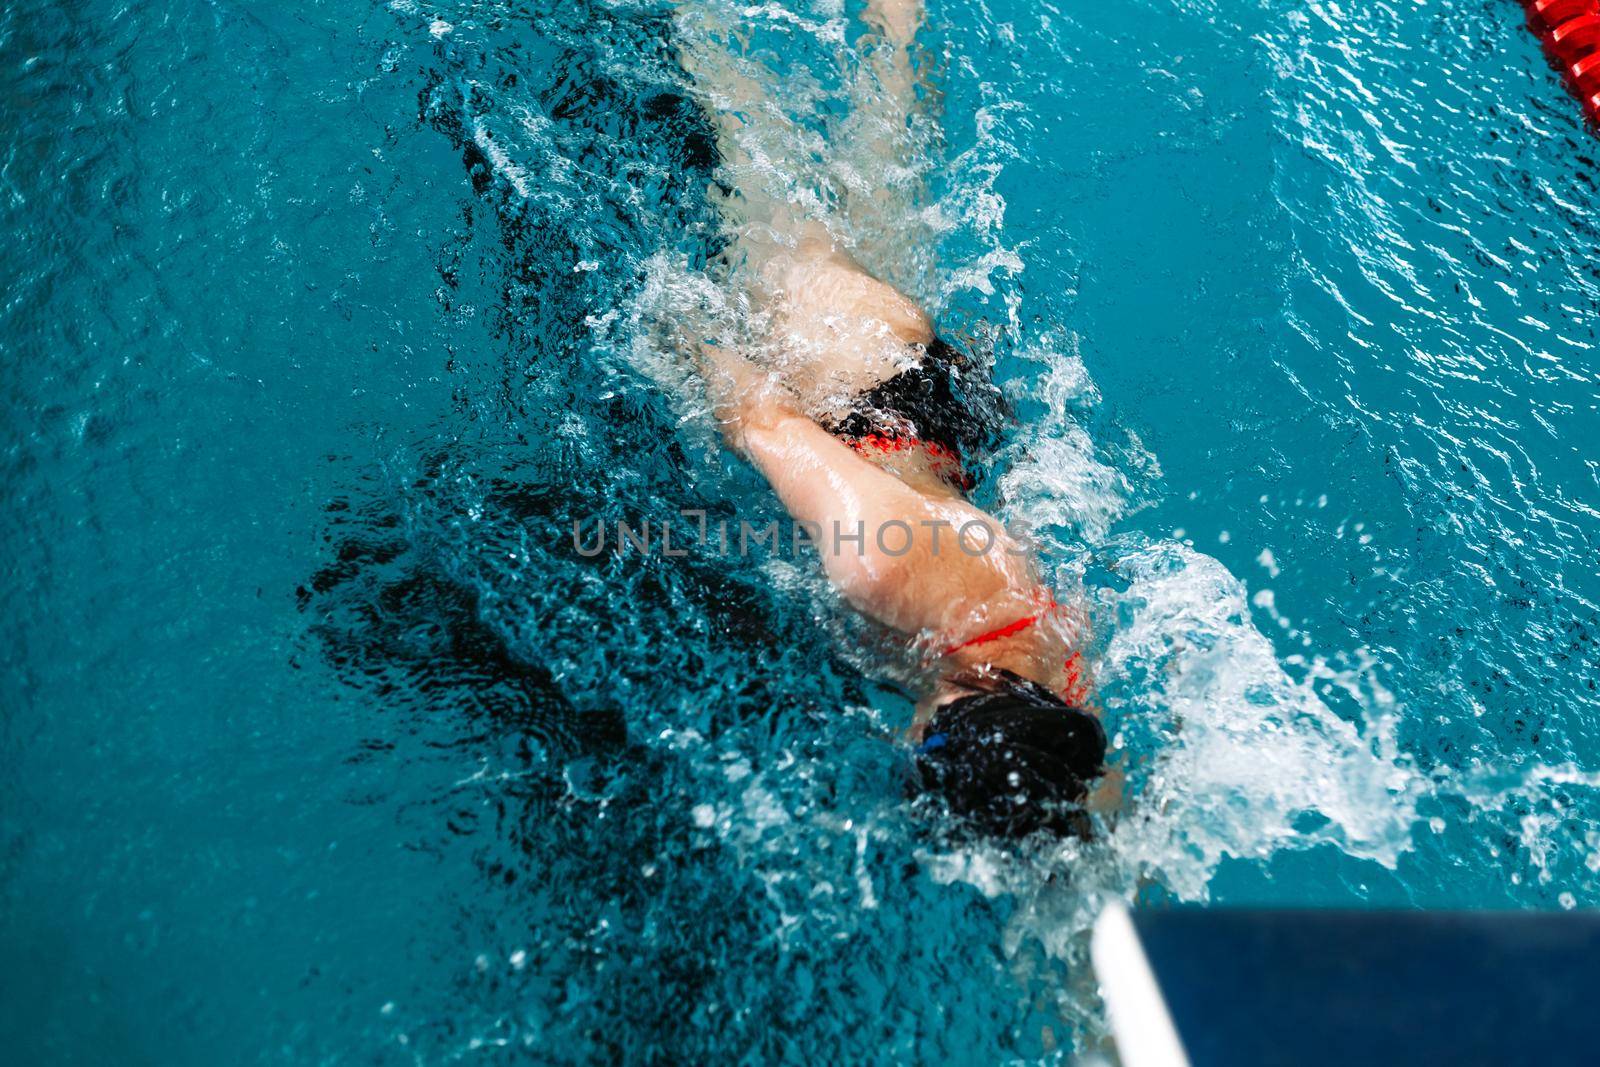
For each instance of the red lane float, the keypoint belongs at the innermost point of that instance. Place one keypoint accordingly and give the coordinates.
(1585, 74)
(1576, 38)
(1570, 31)
(1546, 15)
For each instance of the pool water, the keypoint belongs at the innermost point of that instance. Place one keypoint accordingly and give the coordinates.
(323, 323)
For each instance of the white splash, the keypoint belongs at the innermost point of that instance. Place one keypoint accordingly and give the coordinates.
(1055, 474)
(1247, 759)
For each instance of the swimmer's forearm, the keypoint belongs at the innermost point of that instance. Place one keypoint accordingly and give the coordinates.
(818, 478)
(897, 20)
(741, 396)
(824, 484)
(900, 577)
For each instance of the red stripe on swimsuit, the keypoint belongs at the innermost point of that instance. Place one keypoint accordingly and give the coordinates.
(1075, 690)
(1004, 631)
(944, 462)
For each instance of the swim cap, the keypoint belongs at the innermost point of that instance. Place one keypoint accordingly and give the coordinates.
(1012, 757)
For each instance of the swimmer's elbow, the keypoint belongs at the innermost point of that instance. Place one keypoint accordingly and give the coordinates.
(743, 398)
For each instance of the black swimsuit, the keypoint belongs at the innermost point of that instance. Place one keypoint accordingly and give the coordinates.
(923, 407)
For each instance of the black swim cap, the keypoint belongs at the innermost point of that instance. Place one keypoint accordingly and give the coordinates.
(1012, 757)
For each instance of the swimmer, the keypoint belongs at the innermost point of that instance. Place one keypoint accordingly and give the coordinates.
(860, 418)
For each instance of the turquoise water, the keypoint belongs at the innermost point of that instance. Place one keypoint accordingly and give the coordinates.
(323, 322)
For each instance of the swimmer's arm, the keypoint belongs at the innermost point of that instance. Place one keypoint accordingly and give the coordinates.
(928, 584)
(740, 392)
(909, 579)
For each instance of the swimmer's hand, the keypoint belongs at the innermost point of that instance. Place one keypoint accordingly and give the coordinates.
(743, 396)
(897, 20)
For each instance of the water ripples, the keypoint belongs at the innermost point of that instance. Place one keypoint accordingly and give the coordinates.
(362, 308)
